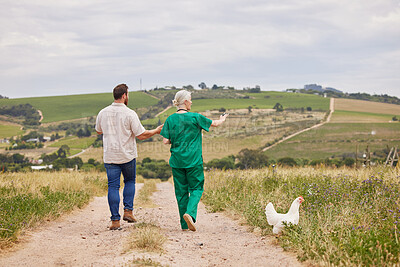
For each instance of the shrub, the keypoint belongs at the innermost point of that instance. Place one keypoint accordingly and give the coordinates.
(150, 168)
(251, 159)
(349, 162)
(222, 164)
(287, 161)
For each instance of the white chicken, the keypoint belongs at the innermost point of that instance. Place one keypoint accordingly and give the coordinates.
(277, 219)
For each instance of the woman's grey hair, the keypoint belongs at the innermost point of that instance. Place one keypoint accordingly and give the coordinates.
(180, 98)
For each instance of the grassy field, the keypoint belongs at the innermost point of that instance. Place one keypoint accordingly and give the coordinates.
(75, 142)
(263, 100)
(60, 108)
(356, 116)
(366, 106)
(337, 139)
(27, 199)
(8, 130)
(287, 100)
(241, 130)
(349, 216)
(212, 148)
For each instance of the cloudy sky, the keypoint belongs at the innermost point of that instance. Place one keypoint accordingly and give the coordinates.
(66, 47)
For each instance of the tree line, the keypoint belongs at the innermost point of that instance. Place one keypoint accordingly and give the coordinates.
(256, 159)
(27, 111)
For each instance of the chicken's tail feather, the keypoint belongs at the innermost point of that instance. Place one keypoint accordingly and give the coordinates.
(271, 214)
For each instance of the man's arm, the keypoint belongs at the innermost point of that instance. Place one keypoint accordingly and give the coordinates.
(149, 133)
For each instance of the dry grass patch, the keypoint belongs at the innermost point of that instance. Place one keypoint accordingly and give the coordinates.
(26, 199)
(147, 237)
(366, 106)
(65, 181)
(145, 262)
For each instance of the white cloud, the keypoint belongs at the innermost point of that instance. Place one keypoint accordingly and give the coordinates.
(53, 47)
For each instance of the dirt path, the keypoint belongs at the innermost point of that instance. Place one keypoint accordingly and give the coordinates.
(82, 239)
(153, 96)
(328, 119)
(161, 112)
(41, 115)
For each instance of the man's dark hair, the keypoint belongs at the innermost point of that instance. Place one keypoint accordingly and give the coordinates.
(119, 90)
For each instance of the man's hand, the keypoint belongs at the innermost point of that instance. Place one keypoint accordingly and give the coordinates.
(159, 128)
(149, 133)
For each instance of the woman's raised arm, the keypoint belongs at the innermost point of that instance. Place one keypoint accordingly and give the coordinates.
(216, 123)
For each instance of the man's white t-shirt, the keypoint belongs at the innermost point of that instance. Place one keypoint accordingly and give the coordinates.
(120, 125)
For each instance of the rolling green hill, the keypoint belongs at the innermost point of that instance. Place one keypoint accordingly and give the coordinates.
(10, 130)
(349, 125)
(60, 108)
(336, 139)
(263, 100)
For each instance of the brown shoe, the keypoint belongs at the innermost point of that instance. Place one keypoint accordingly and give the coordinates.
(115, 225)
(189, 220)
(128, 216)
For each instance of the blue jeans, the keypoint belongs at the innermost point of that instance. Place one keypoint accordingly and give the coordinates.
(114, 175)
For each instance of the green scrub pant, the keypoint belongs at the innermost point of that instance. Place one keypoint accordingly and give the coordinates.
(189, 186)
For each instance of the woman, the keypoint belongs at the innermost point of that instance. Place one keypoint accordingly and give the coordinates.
(183, 131)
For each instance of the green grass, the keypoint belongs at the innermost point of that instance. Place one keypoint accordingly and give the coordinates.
(349, 217)
(26, 199)
(75, 142)
(354, 116)
(17, 210)
(256, 100)
(287, 100)
(337, 139)
(59, 108)
(7, 131)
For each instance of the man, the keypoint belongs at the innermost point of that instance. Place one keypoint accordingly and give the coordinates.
(119, 126)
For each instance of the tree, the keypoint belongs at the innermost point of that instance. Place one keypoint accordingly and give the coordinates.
(252, 159)
(202, 85)
(188, 87)
(287, 161)
(223, 164)
(278, 107)
(309, 109)
(80, 133)
(63, 151)
(249, 108)
(18, 158)
(214, 87)
(222, 109)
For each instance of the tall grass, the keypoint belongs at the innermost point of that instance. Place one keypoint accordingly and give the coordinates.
(26, 199)
(349, 216)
